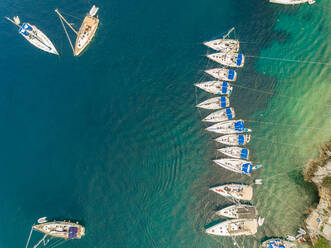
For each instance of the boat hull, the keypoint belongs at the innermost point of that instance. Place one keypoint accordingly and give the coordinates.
(223, 74)
(236, 191)
(235, 165)
(86, 33)
(277, 243)
(225, 45)
(228, 127)
(37, 38)
(215, 103)
(215, 87)
(220, 115)
(235, 152)
(61, 229)
(234, 139)
(239, 227)
(238, 211)
(228, 59)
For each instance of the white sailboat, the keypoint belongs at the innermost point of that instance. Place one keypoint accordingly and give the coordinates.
(85, 33)
(215, 103)
(32, 34)
(237, 227)
(223, 74)
(292, 2)
(234, 139)
(220, 115)
(235, 152)
(229, 127)
(239, 211)
(234, 191)
(224, 44)
(228, 59)
(237, 165)
(216, 87)
(277, 243)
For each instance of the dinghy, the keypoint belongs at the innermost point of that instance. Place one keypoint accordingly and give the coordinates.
(234, 139)
(228, 59)
(235, 152)
(33, 35)
(215, 103)
(238, 227)
(229, 127)
(220, 115)
(216, 87)
(236, 191)
(277, 243)
(240, 211)
(237, 165)
(223, 74)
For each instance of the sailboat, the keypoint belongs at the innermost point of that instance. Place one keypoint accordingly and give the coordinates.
(86, 31)
(32, 34)
(56, 232)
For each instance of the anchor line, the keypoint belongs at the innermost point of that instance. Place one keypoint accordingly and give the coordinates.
(27, 243)
(291, 60)
(284, 125)
(72, 47)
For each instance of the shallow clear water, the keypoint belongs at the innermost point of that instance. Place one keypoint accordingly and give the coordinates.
(112, 138)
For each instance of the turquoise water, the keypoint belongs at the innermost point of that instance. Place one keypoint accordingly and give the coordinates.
(112, 138)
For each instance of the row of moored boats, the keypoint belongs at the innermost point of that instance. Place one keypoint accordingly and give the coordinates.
(243, 218)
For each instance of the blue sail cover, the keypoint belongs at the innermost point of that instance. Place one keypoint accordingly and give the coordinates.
(224, 87)
(239, 59)
(223, 101)
(239, 126)
(73, 232)
(241, 139)
(244, 153)
(23, 30)
(229, 113)
(231, 74)
(246, 168)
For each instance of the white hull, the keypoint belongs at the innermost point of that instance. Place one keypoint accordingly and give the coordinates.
(61, 229)
(223, 74)
(225, 45)
(232, 228)
(37, 38)
(228, 59)
(215, 87)
(241, 211)
(215, 103)
(277, 243)
(235, 165)
(220, 115)
(292, 2)
(229, 127)
(235, 152)
(236, 191)
(234, 139)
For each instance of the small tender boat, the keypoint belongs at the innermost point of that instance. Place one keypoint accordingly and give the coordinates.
(241, 211)
(234, 139)
(32, 34)
(215, 103)
(220, 115)
(229, 127)
(237, 165)
(86, 31)
(223, 74)
(291, 2)
(237, 191)
(235, 152)
(228, 59)
(224, 45)
(216, 87)
(42, 220)
(236, 227)
(277, 243)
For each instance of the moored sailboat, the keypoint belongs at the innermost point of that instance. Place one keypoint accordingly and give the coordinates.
(32, 34)
(220, 115)
(239, 211)
(237, 165)
(277, 243)
(236, 191)
(237, 227)
(228, 59)
(215, 87)
(229, 127)
(215, 103)
(223, 74)
(86, 31)
(235, 152)
(234, 139)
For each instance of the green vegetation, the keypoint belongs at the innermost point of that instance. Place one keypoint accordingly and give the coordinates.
(327, 182)
(321, 243)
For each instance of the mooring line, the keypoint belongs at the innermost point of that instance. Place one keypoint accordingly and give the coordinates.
(291, 60)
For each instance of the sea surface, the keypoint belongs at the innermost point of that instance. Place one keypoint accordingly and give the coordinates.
(112, 138)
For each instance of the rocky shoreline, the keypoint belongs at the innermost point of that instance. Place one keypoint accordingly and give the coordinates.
(318, 172)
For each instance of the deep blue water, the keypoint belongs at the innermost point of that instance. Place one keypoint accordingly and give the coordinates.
(111, 138)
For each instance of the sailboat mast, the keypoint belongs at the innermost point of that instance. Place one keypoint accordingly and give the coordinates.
(66, 22)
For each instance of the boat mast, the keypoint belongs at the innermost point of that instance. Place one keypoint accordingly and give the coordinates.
(66, 22)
